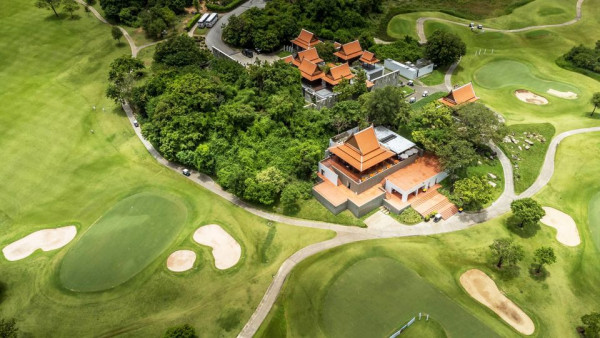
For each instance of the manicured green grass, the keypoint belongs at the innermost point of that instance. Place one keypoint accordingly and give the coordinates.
(283, 53)
(366, 297)
(147, 55)
(424, 328)
(594, 219)
(399, 27)
(428, 99)
(536, 51)
(530, 161)
(434, 78)
(55, 171)
(125, 240)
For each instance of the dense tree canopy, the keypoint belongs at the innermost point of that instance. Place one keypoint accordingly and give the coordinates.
(472, 193)
(584, 57)
(182, 331)
(591, 324)
(505, 251)
(281, 20)
(407, 49)
(444, 48)
(544, 256)
(386, 106)
(526, 212)
(180, 51)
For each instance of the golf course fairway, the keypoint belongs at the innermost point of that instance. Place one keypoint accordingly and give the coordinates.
(594, 219)
(376, 292)
(123, 242)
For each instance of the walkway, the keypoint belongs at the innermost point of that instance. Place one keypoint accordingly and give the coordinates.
(423, 38)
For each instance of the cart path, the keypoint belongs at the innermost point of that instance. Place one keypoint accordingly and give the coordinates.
(350, 234)
(134, 48)
(423, 38)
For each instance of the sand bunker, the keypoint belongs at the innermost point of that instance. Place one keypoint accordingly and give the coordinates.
(226, 250)
(529, 97)
(46, 240)
(566, 229)
(181, 260)
(562, 95)
(483, 289)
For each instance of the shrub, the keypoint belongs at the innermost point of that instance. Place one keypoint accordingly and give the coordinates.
(225, 8)
(409, 216)
(192, 22)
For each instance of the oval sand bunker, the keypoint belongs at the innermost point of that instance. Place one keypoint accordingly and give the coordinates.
(529, 97)
(484, 290)
(566, 229)
(46, 240)
(562, 95)
(181, 260)
(225, 249)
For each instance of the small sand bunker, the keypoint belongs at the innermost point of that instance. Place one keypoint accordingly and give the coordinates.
(181, 260)
(566, 229)
(529, 97)
(562, 95)
(46, 240)
(226, 250)
(484, 290)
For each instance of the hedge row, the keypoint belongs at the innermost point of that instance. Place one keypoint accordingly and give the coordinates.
(192, 22)
(562, 63)
(227, 8)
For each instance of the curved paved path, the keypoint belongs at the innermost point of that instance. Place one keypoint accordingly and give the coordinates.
(349, 234)
(423, 38)
(134, 49)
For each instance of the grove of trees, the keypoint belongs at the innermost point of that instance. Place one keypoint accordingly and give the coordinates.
(444, 48)
(584, 57)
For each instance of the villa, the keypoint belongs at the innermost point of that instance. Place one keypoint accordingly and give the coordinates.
(349, 52)
(305, 40)
(337, 74)
(365, 169)
(460, 95)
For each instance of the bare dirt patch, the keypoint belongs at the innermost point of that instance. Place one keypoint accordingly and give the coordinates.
(529, 97)
(46, 240)
(225, 249)
(484, 290)
(562, 95)
(566, 229)
(181, 260)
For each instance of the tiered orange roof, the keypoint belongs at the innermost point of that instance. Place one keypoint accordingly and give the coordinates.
(460, 95)
(349, 51)
(336, 74)
(369, 58)
(310, 71)
(362, 150)
(309, 54)
(305, 40)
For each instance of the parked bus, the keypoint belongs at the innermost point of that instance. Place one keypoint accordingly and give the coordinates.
(211, 20)
(202, 21)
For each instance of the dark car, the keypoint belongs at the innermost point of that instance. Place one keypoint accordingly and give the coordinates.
(247, 53)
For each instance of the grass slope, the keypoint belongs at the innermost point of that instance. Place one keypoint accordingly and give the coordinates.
(568, 293)
(55, 171)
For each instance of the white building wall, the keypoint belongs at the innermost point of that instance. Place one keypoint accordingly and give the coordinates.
(329, 174)
(425, 70)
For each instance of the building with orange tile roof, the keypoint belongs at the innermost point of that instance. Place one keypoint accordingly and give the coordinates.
(309, 54)
(310, 71)
(460, 95)
(368, 58)
(337, 73)
(350, 51)
(305, 40)
(375, 166)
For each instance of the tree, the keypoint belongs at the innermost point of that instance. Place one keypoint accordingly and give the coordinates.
(472, 192)
(346, 114)
(385, 106)
(70, 6)
(8, 328)
(182, 331)
(116, 33)
(478, 124)
(455, 153)
(591, 325)
(290, 196)
(326, 50)
(49, 4)
(180, 51)
(265, 186)
(123, 72)
(505, 251)
(444, 48)
(526, 212)
(595, 101)
(544, 256)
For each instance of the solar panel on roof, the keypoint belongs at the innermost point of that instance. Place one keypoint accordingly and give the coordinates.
(387, 138)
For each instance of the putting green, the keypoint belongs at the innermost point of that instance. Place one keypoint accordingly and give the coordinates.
(594, 219)
(124, 241)
(376, 296)
(505, 73)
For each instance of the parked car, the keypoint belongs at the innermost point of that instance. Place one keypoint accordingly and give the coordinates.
(412, 100)
(135, 123)
(425, 93)
(258, 50)
(410, 83)
(186, 172)
(471, 25)
(479, 26)
(247, 53)
(437, 218)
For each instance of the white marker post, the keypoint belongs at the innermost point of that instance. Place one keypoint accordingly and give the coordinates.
(419, 315)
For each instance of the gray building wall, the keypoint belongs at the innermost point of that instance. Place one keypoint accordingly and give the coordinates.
(389, 79)
(334, 209)
(364, 209)
(392, 208)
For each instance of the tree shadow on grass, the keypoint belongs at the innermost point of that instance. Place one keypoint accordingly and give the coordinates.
(60, 17)
(512, 223)
(538, 276)
(507, 272)
(3, 288)
(74, 17)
